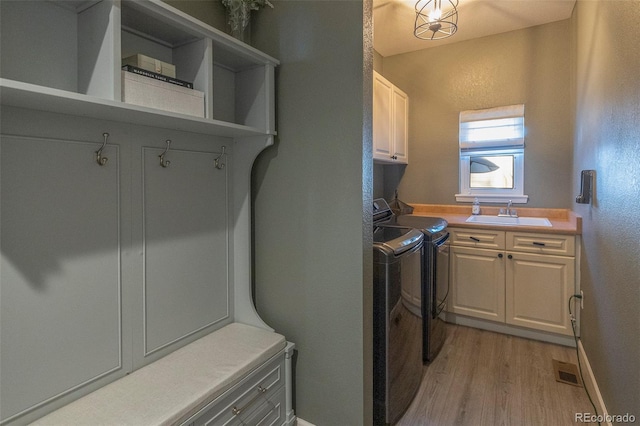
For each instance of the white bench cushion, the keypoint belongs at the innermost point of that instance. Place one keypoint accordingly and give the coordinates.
(174, 386)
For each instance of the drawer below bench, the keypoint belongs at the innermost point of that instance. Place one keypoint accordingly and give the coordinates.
(254, 397)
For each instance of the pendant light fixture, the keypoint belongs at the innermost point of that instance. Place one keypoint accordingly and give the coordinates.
(435, 22)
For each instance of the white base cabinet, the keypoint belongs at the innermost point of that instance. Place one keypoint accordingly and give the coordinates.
(520, 279)
(538, 288)
(478, 288)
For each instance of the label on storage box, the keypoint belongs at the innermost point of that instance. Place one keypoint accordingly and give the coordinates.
(157, 76)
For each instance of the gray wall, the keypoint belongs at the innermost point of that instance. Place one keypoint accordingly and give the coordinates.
(312, 200)
(530, 66)
(210, 12)
(317, 299)
(607, 140)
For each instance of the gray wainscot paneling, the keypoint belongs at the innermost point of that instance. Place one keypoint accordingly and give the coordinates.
(185, 245)
(60, 271)
(105, 268)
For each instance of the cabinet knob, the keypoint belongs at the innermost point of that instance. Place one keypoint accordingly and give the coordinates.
(510, 257)
(500, 255)
(237, 411)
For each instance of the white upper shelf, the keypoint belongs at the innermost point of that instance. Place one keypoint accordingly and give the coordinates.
(29, 96)
(164, 22)
(65, 56)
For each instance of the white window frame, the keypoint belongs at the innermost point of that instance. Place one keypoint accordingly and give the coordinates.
(492, 195)
(468, 149)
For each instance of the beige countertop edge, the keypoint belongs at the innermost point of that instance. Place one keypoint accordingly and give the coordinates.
(563, 221)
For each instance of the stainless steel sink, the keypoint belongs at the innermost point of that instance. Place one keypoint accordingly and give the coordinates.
(509, 221)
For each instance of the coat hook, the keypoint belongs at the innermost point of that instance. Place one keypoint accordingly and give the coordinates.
(99, 158)
(217, 162)
(163, 162)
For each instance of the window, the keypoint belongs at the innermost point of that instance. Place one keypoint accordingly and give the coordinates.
(491, 143)
(491, 171)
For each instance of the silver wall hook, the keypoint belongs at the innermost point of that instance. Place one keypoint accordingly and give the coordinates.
(163, 162)
(99, 158)
(218, 161)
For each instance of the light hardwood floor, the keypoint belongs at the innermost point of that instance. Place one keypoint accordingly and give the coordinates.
(485, 378)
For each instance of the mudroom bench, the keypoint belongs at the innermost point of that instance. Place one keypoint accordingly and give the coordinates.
(238, 374)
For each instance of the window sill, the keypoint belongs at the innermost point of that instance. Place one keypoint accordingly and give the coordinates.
(492, 198)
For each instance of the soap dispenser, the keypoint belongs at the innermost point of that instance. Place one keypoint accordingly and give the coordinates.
(475, 209)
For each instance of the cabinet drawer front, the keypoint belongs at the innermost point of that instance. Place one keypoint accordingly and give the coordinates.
(271, 412)
(241, 401)
(563, 245)
(479, 238)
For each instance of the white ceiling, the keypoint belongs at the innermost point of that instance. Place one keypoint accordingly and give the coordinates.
(393, 21)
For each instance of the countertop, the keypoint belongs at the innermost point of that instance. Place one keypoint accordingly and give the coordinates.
(563, 221)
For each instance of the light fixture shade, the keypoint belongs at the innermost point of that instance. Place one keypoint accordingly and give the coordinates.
(435, 22)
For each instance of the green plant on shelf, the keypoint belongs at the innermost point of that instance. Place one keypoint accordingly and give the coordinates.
(239, 13)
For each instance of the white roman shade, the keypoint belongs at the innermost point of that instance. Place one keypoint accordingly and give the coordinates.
(501, 127)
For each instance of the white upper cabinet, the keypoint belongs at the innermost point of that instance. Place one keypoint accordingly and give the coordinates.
(65, 56)
(390, 122)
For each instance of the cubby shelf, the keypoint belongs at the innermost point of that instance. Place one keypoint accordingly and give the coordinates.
(29, 96)
(65, 56)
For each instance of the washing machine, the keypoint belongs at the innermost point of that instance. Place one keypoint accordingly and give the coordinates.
(435, 277)
(397, 324)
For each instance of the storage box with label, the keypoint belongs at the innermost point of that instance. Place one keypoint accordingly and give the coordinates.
(150, 64)
(149, 92)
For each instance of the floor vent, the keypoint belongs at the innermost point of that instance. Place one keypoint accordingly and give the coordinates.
(566, 373)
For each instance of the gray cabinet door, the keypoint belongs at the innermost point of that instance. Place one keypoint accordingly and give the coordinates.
(60, 310)
(185, 245)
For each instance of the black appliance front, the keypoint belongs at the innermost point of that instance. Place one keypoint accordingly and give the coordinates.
(435, 279)
(397, 326)
(434, 328)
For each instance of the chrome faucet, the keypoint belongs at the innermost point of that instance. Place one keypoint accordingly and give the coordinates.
(509, 211)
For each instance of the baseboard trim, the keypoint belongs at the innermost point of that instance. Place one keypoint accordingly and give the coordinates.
(509, 329)
(591, 384)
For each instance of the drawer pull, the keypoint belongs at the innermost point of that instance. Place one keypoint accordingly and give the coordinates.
(535, 243)
(236, 411)
(477, 240)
